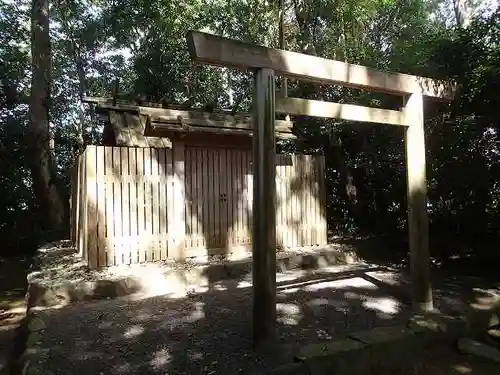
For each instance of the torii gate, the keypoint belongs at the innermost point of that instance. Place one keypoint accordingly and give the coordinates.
(268, 62)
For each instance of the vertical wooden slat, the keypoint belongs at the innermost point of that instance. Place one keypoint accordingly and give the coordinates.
(279, 241)
(76, 203)
(141, 233)
(301, 212)
(84, 208)
(313, 200)
(132, 204)
(82, 211)
(248, 197)
(170, 202)
(223, 221)
(211, 198)
(295, 201)
(199, 202)
(296, 207)
(148, 205)
(322, 208)
(284, 202)
(306, 174)
(206, 198)
(289, 206)
(162, 205)
(109, 197)
(319, 202)
(125, 194)
(117, 205)
(238, 197)
(177, 224)
(100, 208)
(217, 206)
(296, 192)
(195, 216)
(290, 210)
(156, 206)
(309, 206)
(190, 229)
(231, 183)
(92, 207)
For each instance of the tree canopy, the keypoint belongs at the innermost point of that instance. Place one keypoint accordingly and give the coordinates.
(139, 46)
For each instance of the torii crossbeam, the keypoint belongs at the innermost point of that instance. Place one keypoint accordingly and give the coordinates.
(268, 62)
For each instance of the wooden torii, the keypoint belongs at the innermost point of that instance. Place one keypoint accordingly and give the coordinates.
(268, 62)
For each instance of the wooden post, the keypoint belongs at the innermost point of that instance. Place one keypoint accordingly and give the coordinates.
(177, 222)
(264, 207)
(418, 222)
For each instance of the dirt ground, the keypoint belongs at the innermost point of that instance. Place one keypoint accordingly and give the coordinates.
(160, 335)
(12, 305)
(446, 360)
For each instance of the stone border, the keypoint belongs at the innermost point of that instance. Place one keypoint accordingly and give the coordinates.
(375, 351)
(385, 349)
(178, 280)
(32, 327)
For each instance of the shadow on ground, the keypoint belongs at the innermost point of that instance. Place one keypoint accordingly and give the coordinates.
(450, 253)
(210, 332)
(12, 305)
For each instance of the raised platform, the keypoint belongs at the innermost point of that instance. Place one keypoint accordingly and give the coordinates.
(60, 277)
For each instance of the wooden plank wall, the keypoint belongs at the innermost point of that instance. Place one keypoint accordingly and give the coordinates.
(123, 191)
(120, 203)
(219, 200)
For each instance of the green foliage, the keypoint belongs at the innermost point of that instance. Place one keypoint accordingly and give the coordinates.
(142, 44)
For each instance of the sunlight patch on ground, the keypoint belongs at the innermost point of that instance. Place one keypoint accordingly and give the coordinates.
(133, 331)
(160, 358)
(462, 369)
(384, 306)
(354, 282)
(155, 283)
(123, 368)
(288, 313)
(244, 284)
(388, 277)
(197, 314)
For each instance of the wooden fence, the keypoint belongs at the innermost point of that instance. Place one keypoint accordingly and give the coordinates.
(132, 205)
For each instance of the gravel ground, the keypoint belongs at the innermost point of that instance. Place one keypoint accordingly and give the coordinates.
(210, 333)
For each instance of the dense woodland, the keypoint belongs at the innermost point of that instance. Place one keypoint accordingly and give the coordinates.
(136, 50)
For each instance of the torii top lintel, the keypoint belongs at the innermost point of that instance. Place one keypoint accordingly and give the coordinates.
(215, 50)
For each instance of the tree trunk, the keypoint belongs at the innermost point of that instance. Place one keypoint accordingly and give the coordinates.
(49, 202)
(462, 12)
(82, 79)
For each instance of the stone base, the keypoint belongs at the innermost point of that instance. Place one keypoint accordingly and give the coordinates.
(479, 349)
(377, 350)
(176, 282)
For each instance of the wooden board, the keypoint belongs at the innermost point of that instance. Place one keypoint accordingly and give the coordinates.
(219, 51)
(317, 108)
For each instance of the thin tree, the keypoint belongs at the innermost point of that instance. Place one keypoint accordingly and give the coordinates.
(49, 203)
